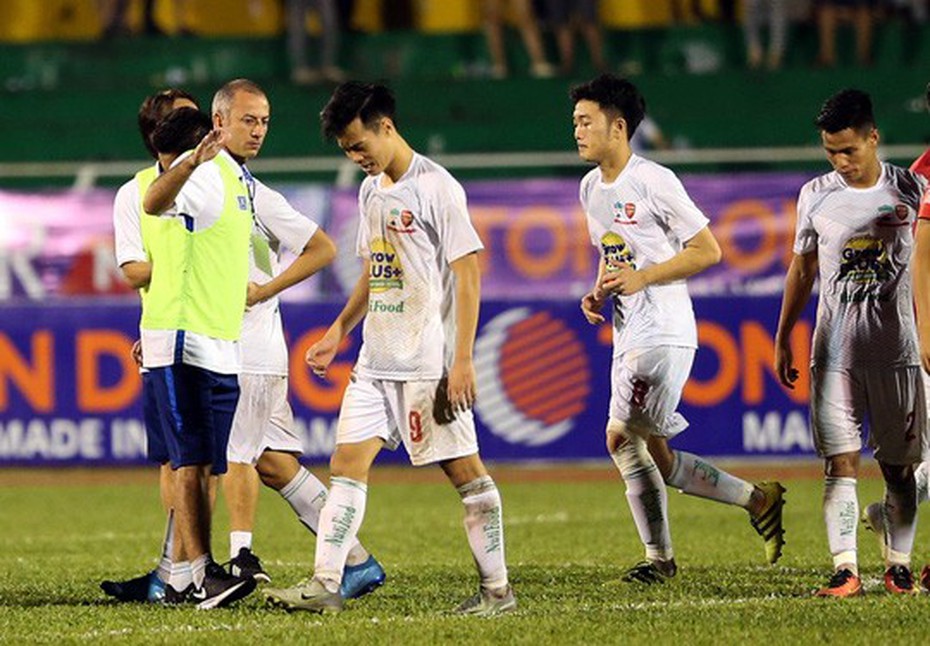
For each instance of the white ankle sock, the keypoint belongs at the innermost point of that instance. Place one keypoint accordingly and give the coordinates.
(238, 540)
(198, 569)
(181, 575)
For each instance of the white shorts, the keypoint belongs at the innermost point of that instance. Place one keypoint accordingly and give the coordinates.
(402, 412)
(892, 400)
(263, 420)
(645, 389)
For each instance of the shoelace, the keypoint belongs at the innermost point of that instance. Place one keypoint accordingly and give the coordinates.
(645, 572)
(840, 578)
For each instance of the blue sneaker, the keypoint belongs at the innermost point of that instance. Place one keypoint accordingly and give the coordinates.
(147, 587)
(359, 580)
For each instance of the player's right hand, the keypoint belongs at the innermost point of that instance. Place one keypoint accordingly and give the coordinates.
(137, 352)
(784, 365)
(321, 354)
(210, 146)
(591, 306)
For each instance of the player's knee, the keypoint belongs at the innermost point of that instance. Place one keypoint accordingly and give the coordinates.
(349, 464)
(898, 477)
(269, 474)
(628, 450)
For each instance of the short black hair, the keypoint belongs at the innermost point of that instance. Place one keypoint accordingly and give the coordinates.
(155, 108)
(613, 94)
(181, 130)
(366, 101)
(847, 108)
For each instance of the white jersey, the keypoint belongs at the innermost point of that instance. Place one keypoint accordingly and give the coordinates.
(277, 225)
(410, 232)
(643, 218)
(863, 239)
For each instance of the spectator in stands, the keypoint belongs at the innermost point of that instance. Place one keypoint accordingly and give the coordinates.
(829, 13)
(565, 16)
(756, 11)
(301, 72)
(113, 18)
(526, 21)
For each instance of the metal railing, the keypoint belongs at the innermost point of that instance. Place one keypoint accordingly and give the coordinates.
(87, 174)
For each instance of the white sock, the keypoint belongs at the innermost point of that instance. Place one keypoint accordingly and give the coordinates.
(340, 520)
(485, 530)
(697, 477)
(921, 477)
(647, 497)
(198, 569)
(841, 514)
(167, 549)
(306, 495)
(900, 515)
(238, 540)
(180, 576)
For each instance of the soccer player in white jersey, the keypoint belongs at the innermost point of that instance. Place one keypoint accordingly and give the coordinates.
(651, 238)
(263, 441)
(414, 382)
(854, 232)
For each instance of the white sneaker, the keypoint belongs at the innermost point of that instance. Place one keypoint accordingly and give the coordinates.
(309, 595)
(487, 603)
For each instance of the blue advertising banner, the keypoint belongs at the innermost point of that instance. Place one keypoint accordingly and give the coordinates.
(70, 394)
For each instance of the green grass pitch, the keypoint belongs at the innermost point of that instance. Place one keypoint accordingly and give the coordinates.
(568, 539)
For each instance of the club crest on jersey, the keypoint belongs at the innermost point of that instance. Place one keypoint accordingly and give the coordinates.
(615, 251)
(401, 221)
(386, 271)
(243, 203)
(624, 213)
(893, 216)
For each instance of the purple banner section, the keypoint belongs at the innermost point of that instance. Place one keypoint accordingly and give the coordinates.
(60, 243)
(69, 393)
(537, 246)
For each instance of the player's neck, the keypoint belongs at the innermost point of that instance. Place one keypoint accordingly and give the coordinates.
(614, 163)
(869, 178)
(399, 165)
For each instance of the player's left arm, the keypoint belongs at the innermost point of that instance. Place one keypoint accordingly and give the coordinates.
(319, 251)
(137, 273)
(697, 254)
(462, 379)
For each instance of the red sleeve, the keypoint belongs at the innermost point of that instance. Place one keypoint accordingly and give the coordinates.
(923, 211)
(921, 165)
